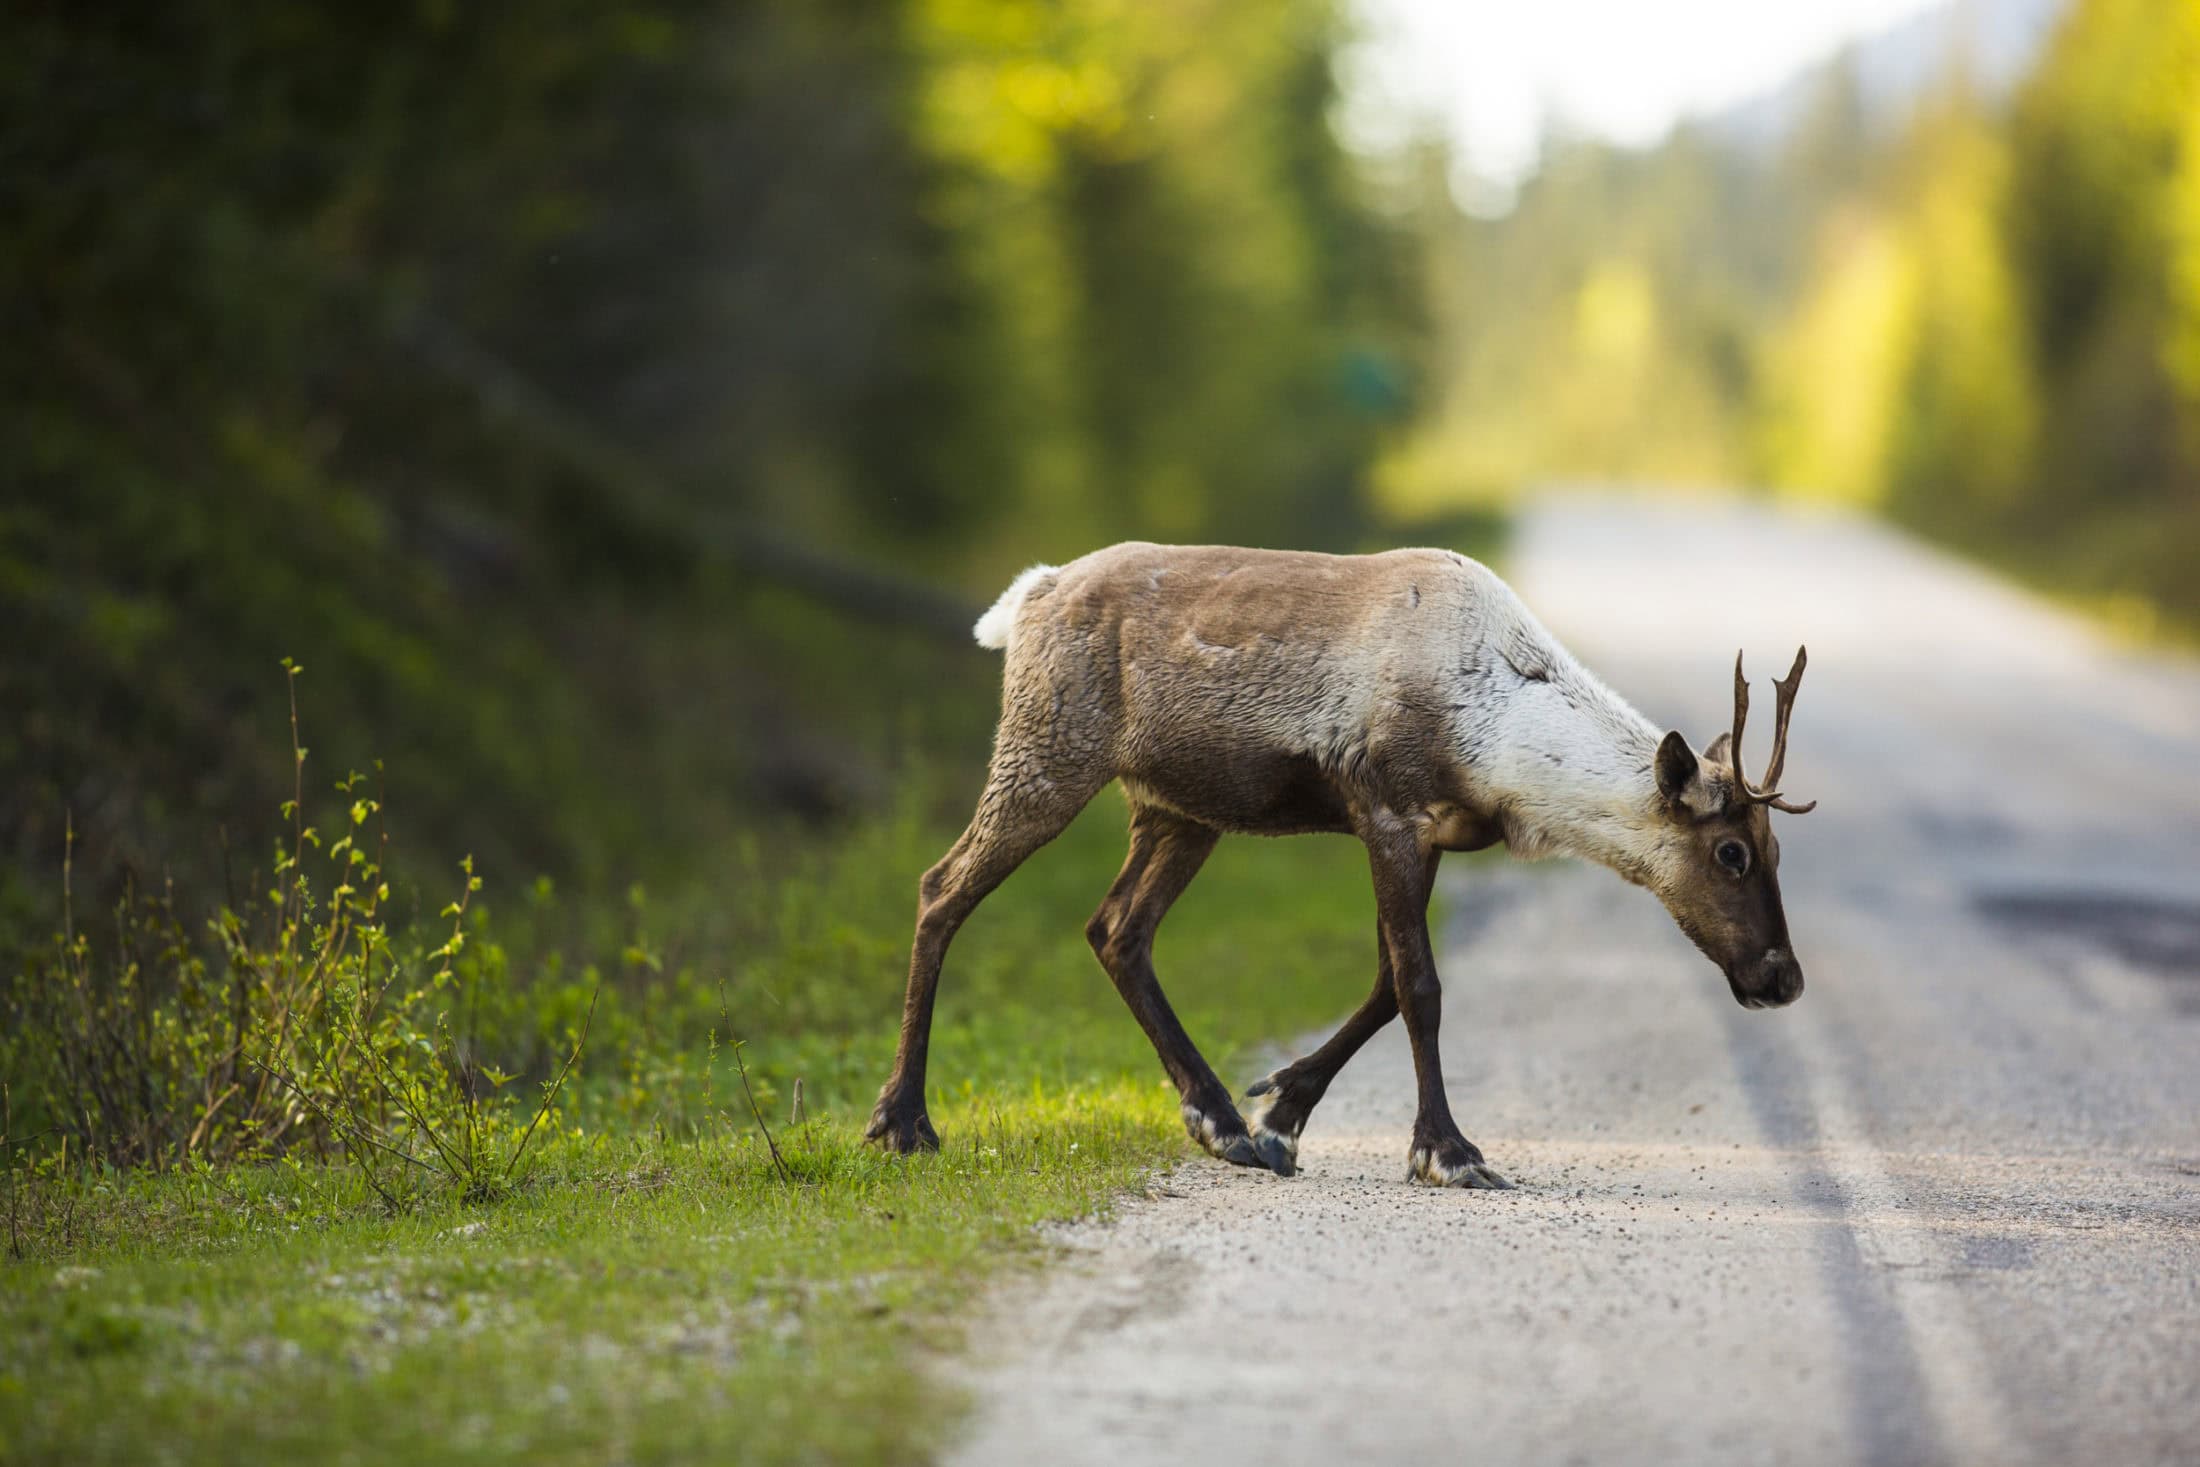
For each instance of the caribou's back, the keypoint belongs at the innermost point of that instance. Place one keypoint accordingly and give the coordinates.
(1246, 687)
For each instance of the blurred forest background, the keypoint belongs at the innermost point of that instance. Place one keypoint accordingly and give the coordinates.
(622, 411)
(618, 411)
(1952, 276)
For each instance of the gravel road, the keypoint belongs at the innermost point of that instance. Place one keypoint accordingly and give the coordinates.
(1944, 1209)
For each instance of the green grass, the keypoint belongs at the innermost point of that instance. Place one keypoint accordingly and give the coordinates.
(643, 1302)
(658, 1289)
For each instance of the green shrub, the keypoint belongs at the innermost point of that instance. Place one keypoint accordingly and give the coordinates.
(294, 1023)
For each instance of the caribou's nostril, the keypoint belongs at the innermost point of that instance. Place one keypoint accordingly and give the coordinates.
(1779, 978)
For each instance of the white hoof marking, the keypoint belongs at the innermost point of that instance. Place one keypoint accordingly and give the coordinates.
(1424, 1166)
(1256, 1121)
(1202, 1127)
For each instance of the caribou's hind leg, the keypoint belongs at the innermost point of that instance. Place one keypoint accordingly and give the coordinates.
(1016, 815)
(1278, 1104)
(1166, 852)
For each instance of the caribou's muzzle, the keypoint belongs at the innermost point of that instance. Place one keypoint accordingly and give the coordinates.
(1773, 981)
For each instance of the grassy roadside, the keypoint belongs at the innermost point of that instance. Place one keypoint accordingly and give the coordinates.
(660, 1288)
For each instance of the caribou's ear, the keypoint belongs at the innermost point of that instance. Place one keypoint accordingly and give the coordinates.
(1678, 767)
(1720, 750)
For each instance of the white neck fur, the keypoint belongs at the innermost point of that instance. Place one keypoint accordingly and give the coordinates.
(1570, 763)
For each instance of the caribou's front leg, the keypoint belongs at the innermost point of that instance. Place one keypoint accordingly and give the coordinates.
(1278, 1104)
(1395, 850)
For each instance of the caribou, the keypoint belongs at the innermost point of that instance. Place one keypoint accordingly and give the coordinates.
(1408, 699)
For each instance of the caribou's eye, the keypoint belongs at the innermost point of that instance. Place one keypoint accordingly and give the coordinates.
(1733, 855)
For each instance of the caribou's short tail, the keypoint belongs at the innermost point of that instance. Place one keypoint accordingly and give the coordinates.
(993, 628)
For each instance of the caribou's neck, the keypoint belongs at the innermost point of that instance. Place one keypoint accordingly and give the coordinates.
(1573, 768)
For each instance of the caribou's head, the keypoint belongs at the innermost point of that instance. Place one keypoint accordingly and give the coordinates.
(1720, 875)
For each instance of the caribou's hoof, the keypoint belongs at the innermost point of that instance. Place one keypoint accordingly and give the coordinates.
(1454, 1164)
(1238, 1151)
(1277, 1152)
(901, 1130)
(1224, 1137)
(1275, 1137)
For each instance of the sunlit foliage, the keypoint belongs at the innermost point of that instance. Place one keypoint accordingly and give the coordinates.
(1981, 316)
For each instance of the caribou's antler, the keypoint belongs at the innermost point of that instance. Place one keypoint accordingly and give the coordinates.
(1783, 705)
